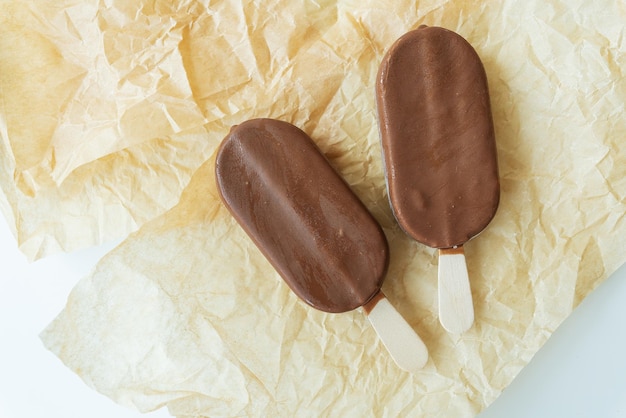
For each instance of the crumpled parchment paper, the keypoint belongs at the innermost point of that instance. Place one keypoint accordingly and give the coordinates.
(186, 313)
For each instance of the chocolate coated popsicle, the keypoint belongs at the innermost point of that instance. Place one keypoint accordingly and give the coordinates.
(439, 153)
(312, 228)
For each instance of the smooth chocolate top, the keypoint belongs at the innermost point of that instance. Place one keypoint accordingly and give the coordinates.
(437, 137)
(302, 215)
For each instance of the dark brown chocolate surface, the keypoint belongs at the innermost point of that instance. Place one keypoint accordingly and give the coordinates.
(302, 215)
(437, 137)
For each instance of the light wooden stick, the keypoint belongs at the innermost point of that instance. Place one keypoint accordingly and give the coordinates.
(405, 346)
(456, 309)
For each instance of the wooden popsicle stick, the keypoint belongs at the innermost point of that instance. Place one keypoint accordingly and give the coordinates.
(405, 346)
(456, 308)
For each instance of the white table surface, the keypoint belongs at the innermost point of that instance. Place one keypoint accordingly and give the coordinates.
(580, 372)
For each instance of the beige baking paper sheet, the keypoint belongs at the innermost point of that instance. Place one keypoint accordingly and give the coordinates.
(110, 113)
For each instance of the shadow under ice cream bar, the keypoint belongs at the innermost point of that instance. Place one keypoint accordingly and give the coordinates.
(313, 229)
(439, 153)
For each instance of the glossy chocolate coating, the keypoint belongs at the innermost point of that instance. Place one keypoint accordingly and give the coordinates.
(302, 215)
(437, 136)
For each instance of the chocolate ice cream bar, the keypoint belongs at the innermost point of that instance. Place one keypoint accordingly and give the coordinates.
(439, 153)
(312, 228)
